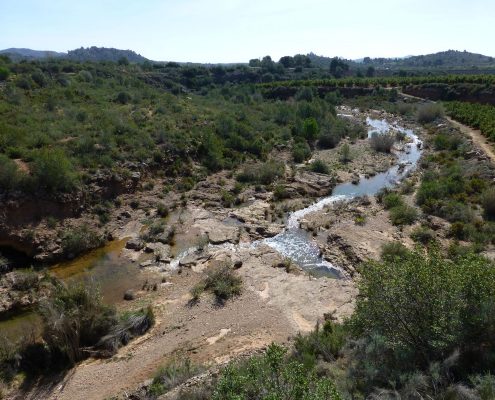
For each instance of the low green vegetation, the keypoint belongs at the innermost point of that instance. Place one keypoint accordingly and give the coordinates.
(429, 112)
(456, 188)
(320, 167)
(273, 375)
(400, 212)
(222, 282)
(478, 116)
(172, 375)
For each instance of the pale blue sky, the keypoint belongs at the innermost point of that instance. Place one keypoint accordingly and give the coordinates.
(237, 30)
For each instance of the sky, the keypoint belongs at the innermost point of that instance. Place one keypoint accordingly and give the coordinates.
(238, 30)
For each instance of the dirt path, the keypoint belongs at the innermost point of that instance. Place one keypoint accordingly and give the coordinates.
(476, 136)
(478, 139)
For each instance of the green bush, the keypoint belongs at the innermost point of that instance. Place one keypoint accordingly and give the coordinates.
(172, 375)
(394, 251)
(429, 112)
(329, 140)
(301, 152)
(488, 202)
(80, 239)
(53, 171)
(320, 167)
(381, 142)
(425, 307)
(74, 318)
(403, 215)
(323, 343)
(345, 153)
(423, 235)
(4, 73)
(10, 177)
(265, 173)
(222, 282)
(272, 376)
(391, 200)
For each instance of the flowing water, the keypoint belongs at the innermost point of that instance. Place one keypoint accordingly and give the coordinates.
(298, 245)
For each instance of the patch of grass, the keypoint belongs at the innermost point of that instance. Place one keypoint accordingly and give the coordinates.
(264, 173)
(173, 374)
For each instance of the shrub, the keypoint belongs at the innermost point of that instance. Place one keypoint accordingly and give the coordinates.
(272, 376)
(222, 282)
(123, 98)
(53, 171)
(488, 202)
(172, 375)
(325, 343)
(25, 280)
(10, 177)
(429, 112)
(79, 239)
(320, 167)
(423, 235)
(424, 307)
(301, 152)
(74, 318)
(280, 192)
(393, 251)
(345, 153)
(310, 129)
(162, 210)
(403, 215)
(382, 143)
(264, 173)
(391, 200)
(4, 73)
(329, 140)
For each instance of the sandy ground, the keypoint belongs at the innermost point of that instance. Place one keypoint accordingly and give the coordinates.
(274, 306)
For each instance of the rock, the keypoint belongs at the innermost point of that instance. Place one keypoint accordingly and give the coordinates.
(147, 263)
(126, 214)
(161, 251)
(134, 244)
(223, 233)
(129, 295)
(189, 261)
(136, 176)
(237, 264)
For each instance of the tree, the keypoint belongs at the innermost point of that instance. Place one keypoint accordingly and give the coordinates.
(267, 63)
(370, 72)
(300, 60)
(287, 61)
(310, 129)
(255, 63)
(123, 61)
(338, 68)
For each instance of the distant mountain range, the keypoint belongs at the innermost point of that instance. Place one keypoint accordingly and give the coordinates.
(81, 54)
(450, 59)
